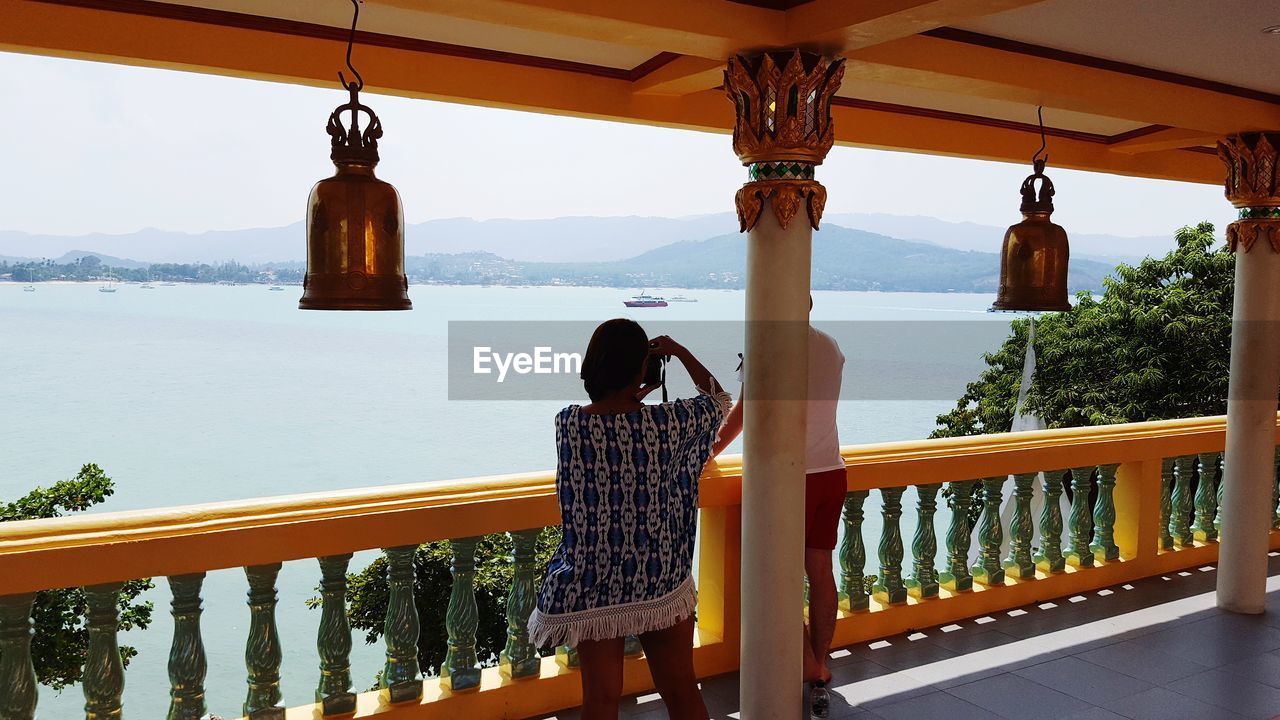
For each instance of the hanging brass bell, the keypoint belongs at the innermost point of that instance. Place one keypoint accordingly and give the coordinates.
(355, 225)
(1034, 258)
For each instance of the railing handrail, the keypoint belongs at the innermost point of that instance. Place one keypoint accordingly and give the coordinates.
(287, 527)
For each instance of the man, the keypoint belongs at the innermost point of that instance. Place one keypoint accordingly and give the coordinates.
(825, 487)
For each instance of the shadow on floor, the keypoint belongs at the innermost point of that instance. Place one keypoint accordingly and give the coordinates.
(1156, 649)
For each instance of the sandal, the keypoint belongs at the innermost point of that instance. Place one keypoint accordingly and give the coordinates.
(819, 700)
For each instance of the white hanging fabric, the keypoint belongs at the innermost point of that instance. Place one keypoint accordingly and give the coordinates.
(1024, 421)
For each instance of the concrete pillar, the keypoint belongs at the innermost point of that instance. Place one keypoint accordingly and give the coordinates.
(1249, 463)
(773, 467)
(783, 130)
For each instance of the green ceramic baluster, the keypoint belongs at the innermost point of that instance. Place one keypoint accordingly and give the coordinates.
(1104, 516)
(1050, 558)
(956, 577)
(519, 658)
(187, 662)
(17, 672)
(1217, 510)
(103, 680)
(889, 587)
(567, 657)
(460, 666)
(1180, 526)
(924, 546)
(988, 570)
(1206, 499)
(1080, 522)
(1166, 503)
(333, 641)
(400, 628)
(1020, 564)
(1275, 494)
(262, 652)
(853, 554)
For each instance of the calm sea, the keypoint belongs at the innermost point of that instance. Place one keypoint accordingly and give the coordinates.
(191, 394)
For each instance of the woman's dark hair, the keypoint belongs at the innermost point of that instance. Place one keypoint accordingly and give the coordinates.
(615, 357)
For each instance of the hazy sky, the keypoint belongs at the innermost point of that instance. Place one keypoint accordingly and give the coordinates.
(104, 148)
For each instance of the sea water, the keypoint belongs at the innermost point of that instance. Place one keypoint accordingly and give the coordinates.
(194, 393)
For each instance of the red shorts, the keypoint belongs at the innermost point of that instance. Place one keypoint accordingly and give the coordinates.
(823, 500)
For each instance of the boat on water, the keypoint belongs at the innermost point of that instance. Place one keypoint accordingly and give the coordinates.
(109, 287)
(168, 284)
(147, 285)
(681, 298)
(276, 288)
(643, 300)
(31, 277)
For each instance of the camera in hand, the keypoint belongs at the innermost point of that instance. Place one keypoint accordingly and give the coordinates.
(655, 370)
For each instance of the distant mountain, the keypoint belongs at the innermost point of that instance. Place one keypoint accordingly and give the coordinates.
(163, 246)
(567, 239)
(554, 240)
(843, 259)
(108, 260)
(972, 236)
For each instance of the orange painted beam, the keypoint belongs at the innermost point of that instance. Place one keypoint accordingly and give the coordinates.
(960, 67)
(711, 29)
(682, 76)
(1164, 139)
(839, 25)
(870, 127)
(89, 34)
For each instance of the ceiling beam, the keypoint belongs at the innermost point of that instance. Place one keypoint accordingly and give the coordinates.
(682, 76)
(835, 26)
(1162, 138)
(714, 29)
(832, 27)
(961, 67)
(93, 34)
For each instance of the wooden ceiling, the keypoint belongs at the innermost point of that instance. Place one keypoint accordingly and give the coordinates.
(1122, 93)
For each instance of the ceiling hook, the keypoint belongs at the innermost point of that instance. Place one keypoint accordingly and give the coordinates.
(1040, 117)
(351, 39)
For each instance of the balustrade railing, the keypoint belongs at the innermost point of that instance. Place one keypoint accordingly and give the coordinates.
(1153, 508)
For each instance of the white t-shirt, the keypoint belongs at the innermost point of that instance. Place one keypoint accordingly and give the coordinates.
(826, 365)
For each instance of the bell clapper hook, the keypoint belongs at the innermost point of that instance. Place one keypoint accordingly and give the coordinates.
(355, 86)
(1036, 161)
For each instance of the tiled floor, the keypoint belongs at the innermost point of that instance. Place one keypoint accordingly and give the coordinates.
(1157, 649)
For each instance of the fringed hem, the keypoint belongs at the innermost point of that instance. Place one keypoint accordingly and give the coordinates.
(614, 621)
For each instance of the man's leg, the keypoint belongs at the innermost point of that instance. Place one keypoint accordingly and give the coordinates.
(822, 610)
(824, 499)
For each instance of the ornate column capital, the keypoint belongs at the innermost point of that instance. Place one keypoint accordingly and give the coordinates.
(782, 130)
(1252, 185)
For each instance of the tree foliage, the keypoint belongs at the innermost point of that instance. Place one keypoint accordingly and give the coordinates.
(495, 570)
(1154, 346)
(61, 643)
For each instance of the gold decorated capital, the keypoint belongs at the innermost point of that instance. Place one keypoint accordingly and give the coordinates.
(1252, 185)
(782, 130)
(785, 198)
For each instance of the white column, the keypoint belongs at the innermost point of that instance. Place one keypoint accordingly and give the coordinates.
(773, 485)
(1249, 467)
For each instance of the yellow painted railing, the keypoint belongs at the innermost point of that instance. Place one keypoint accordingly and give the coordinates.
(1144, 527)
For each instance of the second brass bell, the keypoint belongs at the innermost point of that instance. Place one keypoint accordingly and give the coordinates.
(1035, 254)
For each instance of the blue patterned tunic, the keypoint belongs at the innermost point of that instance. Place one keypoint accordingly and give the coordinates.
(628, 490)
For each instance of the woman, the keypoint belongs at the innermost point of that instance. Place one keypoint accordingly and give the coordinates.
(627, 482)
